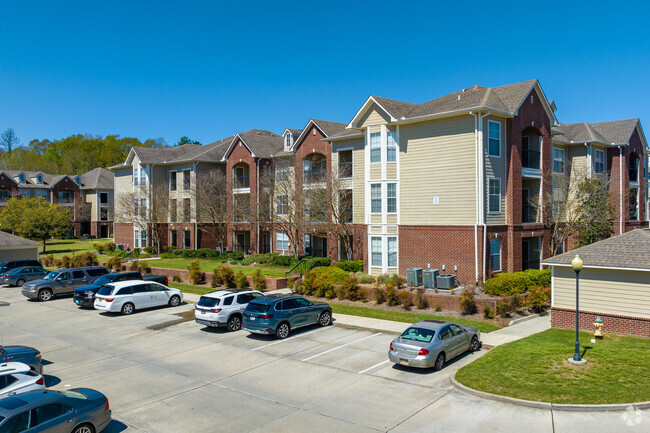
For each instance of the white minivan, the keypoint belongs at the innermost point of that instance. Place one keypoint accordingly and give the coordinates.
(224, 308)
(127, 296)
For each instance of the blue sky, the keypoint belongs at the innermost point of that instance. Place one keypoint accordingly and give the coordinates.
(208, 69)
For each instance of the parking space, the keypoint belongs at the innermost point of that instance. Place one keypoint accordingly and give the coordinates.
(185, 377)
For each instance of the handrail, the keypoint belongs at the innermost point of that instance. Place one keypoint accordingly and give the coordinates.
(315, 265)
(291, 270)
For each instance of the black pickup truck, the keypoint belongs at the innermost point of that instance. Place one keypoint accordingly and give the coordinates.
(84, 296)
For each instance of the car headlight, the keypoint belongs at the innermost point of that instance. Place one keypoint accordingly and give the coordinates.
(38, 357)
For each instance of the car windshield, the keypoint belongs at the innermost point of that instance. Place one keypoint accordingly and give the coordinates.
(208, 302)
(418, 334)
(52, 275)
(105, 290)
(257, 308)
(105, 279)
(74, 394)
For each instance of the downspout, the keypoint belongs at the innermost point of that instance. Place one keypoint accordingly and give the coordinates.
(620, 192)
(482, 182)
(476, 213)
(258, 206)
(196, 220)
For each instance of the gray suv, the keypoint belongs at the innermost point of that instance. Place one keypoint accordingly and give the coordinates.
(62, 281)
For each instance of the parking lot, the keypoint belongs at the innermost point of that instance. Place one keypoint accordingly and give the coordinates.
(163, 375)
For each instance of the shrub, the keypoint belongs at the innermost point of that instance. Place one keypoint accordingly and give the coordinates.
(350, 265)
(467, 302)
(176, 278)
(226, 275)
(109, 246)
(324, 287)
(134, 266)
(380, 295)
(298, 287)
(100, 248)
(197, 277)
(309, 282)
(332, 274)
(505, 284)
(48, 261)
(437, 307)
(365, 278)
(330, 292)
(241, 282)
(233, 262)
(87, 259)
(285, 261)
(383, 279)
(487, 312)
(537, 298)
(167, 256)
(231, 255)
(167, 248)
(114, 263)
(150, 250)
(503, 309)
(66, 262)
(420, 299)
(144, 266)
(194, 265)
(398, 281)
(391, 295)
(259, 282)
(350, 288)
(216, 280)
(405, 299)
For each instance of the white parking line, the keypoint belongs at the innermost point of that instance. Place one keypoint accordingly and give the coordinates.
(291, 338)
(374, 366)
(341, 346)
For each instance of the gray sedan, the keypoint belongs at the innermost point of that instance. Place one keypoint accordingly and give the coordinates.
(430, 343)
(19, 276)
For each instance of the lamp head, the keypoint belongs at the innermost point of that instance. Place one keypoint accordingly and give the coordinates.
(576, 263)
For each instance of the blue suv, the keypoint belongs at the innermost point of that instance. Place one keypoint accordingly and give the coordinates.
(279, 314)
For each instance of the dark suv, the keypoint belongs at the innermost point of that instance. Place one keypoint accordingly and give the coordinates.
(84, 296)
(5, 266)
(62, 281)
(279, 314)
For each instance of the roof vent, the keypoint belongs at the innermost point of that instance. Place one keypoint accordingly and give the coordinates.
(459, 97)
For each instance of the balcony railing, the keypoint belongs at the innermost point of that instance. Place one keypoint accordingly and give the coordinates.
(345, 169)
(314, 176)
(529, 214)
(241, 182)
(66, 200)
(530, 159)
(634, 175)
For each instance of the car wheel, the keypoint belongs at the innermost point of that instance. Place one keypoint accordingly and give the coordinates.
(325, 318)
(234, 323)
(174, 301)
(20, 283)
(282, 331)
(84, 428)
(127, 309)
(440, 362)
(45, 295)
(474, 345)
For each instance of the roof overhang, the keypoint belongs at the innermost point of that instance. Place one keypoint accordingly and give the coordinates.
(232, 145)
(613, 268)
(343, 137)
(543, 98)
(365, 107)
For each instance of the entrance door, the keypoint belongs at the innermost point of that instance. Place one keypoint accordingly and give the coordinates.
(242, 242)
(266, 244)
(530, 253)
(172, 238)
(187, 239)
(103, 230)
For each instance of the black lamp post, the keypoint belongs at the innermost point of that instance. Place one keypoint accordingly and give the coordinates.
(576, 263)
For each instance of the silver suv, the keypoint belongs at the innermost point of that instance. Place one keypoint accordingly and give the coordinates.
(224, 308)
(62, 281)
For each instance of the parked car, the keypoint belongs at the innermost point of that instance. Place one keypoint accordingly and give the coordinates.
(224, 308)
(5, 266)
(25, 354)
(18, 378)
(431, 343)
(62, 281)
(84, 296)
(127, 296)
(78, 410)
(19, 276)
(280, 314)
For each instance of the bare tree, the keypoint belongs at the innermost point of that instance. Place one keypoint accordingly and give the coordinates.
(148, 208)
(9, 140)
(335, 200)
(212, 205)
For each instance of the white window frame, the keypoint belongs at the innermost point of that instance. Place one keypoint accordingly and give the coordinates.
(373, 251)
(553, 160)
(493, 254)
(389, 198)
(282, 171)
(189, 188)
(376, 187)
(282, 205)
(596, 153)
(172, 175)
(376, 148)
(490, 122)
(39, 179)
(390, 252)
(136, 175)
(281, 241)
(490, 195)
(390, 147)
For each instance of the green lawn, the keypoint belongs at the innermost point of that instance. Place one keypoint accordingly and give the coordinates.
(62, 247)
(405, 316)
(536, 368)
(209, 265)
(188, 288)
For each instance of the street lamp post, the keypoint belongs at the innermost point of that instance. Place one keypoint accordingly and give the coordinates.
(576, 263)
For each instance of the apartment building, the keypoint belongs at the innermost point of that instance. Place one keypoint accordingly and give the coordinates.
(78, 193)
(457, 183)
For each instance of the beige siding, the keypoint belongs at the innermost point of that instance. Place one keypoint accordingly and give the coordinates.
(92, 199)
(358, 176)
(375, 229)
(576, 160)
(437, 159)
(19, 254)
(391, 230)
(391, 219)
(374, 116)
(375, 171)
(123, 188)
(495, 167)
(604, 291)
(375, 219)
(391, 170)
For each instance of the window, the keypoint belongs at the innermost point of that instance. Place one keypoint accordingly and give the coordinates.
(186, 180)
(345, 206)
(494, 195)
(143, 207)
(78, 275)
(282, 207)
(136, 176)
(139, 238)
(65, 197)
(314, 168)
(557, 201)
(173, 235)
(391, 197)
(40, 193)
(391, 146)
(39, 179)
(172, 181)
(345, 163)
(143, 176)
(187, 210)
(103, 214)
(375, 249)
(375, 147)
(375, 198)
(282, 171)
(392, 252)
(21, 178)
(558, 160)
(634, 204)
(240, 176)
(287, 141)
(633, 166)
(103, 198)
(77, 180)
(281, 241)
(494, 139)
(173, 210)
(599, 161)
(495, 254)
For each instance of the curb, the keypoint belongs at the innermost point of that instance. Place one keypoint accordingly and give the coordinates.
(363, 328)
(549, 406)
(527, 318)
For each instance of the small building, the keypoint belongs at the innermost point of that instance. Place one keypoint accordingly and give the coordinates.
(614, 285)
(16, 248)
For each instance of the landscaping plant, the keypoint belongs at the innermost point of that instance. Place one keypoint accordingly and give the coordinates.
(259, 282)
(241, 282)
(391, 295)
(487, 312)
(380, 294)
(405, 299)
(467, 302)
(420, 299)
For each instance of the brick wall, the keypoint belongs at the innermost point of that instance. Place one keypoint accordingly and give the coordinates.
(124, 234)
(612, 324)
(241, 154)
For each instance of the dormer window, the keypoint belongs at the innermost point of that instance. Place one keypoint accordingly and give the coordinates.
(77, 180)
(39, 179)
(287, 141)
(21, 178)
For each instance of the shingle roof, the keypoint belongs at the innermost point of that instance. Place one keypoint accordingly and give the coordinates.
(629, 250)
(263, 143)
(98, 178)
(295, 131)
(30, 178)
(616, 132)
(7, 240)
(329, 127)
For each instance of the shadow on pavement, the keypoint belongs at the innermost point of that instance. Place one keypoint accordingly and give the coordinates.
(115, 426)
(426, 371)
(51, 381)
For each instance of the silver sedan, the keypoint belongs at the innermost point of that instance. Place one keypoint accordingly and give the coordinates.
(431, 343)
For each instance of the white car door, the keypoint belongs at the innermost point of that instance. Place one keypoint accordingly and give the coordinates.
(159, 296)
(141, 296)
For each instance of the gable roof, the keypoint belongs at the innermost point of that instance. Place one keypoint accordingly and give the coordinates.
(98, 178)
(261, 143)
(614, 133)
(502, 99)
(630, 250)
(7, 240)
(49, 180)
(326, 127)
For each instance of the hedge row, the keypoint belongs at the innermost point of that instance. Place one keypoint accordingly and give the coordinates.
(350, 265)
(507, 284)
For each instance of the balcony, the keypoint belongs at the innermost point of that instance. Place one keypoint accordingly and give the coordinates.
(239, 182)
(315, 175)
(345, 170)
(530, 163)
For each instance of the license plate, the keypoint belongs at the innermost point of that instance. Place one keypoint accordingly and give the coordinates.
(202, 311)
(252, 318)
(404, 362)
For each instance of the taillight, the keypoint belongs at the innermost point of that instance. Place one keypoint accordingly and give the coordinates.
(41, 381)
(166, 282)
(108, 406)
(391, 346)
(216, 310)
(265, 316)
(7, 276)
(109, 300)
(423, 352)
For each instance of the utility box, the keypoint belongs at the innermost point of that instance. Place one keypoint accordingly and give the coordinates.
(120, 247)
(413, 277)
(429, 277)
(446, 281)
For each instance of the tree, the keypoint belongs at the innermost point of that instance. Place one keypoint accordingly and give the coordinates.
(148, 208)
(596, 211)
(9, 140)
(212, 207)
(186, 140)
(35, 218)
